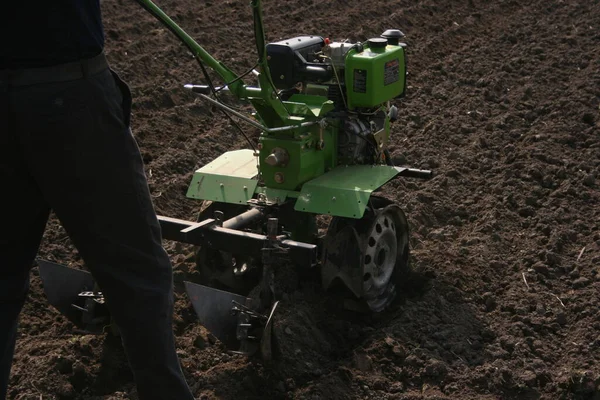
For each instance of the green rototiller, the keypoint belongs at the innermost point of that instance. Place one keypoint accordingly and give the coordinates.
(324, 110)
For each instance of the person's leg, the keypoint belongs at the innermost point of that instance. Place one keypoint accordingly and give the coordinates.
(23, 222)
(87, 164)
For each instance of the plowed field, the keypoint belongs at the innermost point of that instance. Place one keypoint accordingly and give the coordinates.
(502, 103)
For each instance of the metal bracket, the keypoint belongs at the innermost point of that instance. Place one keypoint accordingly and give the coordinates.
(91, 300)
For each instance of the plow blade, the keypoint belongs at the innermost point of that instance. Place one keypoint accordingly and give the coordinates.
(214, 310)
(63, 285)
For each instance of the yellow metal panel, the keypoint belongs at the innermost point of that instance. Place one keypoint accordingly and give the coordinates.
(237, 163)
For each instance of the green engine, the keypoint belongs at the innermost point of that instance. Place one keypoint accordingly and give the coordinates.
(350, 85)
(360, 75)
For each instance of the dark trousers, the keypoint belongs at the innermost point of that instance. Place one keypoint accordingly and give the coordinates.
(66, 146)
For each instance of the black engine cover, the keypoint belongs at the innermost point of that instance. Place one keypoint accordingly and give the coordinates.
(294, 60)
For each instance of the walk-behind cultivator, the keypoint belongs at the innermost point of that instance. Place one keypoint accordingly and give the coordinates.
(324, 111)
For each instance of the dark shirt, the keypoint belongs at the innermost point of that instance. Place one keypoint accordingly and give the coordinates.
(40, 33)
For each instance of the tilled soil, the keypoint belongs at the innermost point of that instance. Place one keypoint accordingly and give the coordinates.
(503, 104)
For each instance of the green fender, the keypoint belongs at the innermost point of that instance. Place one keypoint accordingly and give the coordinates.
(230, 178)
(345, 190)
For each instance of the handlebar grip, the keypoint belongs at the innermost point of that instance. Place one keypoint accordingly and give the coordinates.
(202, 89)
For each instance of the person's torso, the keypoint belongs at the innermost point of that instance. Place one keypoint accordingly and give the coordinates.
(41, 33)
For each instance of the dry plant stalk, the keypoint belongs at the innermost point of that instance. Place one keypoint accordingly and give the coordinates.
(525, 280)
